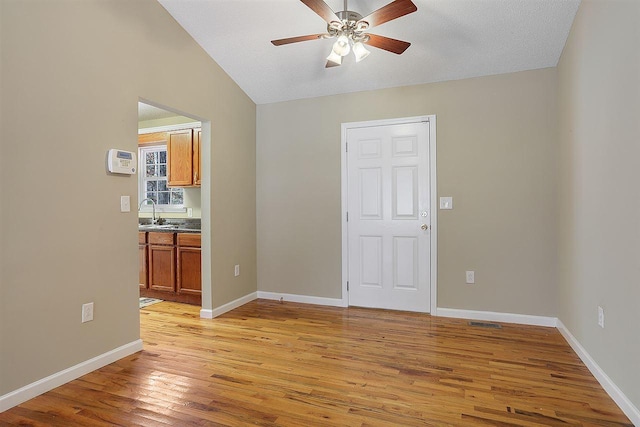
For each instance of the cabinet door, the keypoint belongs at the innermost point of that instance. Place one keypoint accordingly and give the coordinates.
(197, 163)
(142, 251)
(180, 158)
(189, 271)
(162, 272)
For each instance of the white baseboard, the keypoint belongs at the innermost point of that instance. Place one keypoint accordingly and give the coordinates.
(304, 299)
(210, 314)
(523, 319)
(39, 387)
(609, 386)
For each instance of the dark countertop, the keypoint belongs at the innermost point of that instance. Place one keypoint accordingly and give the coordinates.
(167, 229)
(171, 226)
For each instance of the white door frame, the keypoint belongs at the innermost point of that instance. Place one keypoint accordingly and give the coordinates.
(433, 200)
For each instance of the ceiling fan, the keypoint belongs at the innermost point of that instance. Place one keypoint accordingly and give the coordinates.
(351, 28)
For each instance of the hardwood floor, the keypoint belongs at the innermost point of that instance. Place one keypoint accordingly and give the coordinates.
(272, 364)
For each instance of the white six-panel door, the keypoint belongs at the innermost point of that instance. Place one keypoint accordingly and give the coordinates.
(388, 225)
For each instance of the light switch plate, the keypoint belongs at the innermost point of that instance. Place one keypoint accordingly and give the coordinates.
(87, 312)
(446, 202)
(125, 204)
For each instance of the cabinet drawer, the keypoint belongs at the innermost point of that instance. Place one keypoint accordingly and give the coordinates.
(189, 239)
(142, 237)
(156, 238)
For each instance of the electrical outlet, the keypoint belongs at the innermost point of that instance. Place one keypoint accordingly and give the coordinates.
(87, 312)
(471, 277)
(236, 270)
(600, 317)
(190, 212)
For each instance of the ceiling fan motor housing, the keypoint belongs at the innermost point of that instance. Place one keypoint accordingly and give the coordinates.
(351, 24)
(349, 15)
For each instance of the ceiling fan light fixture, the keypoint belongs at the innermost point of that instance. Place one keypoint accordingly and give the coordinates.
(341, 46)
(334, 58)
(360, 51)
(350, 29)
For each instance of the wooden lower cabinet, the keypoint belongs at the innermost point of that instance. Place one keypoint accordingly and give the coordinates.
(162, 261)
(189, 264)
(173, 267)
(143, 257)
(162, 272)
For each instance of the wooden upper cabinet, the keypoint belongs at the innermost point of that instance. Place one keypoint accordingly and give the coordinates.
(183, 155)
(180, 158)
(197, 163)
(153, 138)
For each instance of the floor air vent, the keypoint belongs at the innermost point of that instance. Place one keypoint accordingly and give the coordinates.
(485, 325)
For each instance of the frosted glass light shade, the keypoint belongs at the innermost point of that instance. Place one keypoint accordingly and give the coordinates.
(334, 58)
(341, 46)
(360, 51)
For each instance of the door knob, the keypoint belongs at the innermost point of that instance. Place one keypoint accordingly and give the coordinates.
(424, 226)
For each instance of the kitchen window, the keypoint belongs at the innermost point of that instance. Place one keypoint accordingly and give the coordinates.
(152, 181)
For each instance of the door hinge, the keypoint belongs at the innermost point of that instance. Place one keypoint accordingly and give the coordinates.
(347, 286)
(346, 147)
(347, 216)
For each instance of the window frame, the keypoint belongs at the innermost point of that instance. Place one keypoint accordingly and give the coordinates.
(142, 170)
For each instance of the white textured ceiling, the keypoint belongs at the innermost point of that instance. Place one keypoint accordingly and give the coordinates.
(149, 112)
(450, 40)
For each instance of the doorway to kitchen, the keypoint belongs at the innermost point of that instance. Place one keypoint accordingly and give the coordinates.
(173, 165)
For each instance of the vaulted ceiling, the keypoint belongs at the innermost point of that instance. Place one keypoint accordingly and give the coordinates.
(450, 40)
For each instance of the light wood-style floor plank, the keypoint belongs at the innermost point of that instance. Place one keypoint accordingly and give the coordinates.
(273, 364)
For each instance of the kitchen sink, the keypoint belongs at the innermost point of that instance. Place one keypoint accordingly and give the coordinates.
(156, 226)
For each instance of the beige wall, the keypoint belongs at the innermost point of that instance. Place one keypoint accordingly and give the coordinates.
(496, 156)
(72, 75)
(599, 202)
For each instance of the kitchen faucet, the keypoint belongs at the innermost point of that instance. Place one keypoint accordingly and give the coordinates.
(153, 209)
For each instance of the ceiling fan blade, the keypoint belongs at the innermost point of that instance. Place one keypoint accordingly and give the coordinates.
(393, 10)
(388, 44)
(322, 9)
(289, 40)
(331, 64)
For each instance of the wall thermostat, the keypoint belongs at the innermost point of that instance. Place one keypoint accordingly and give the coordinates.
(119, 161)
